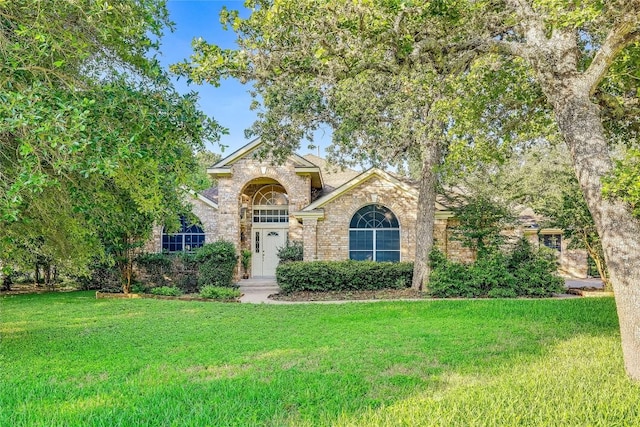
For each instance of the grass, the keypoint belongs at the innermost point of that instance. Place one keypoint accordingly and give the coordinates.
(71, 360)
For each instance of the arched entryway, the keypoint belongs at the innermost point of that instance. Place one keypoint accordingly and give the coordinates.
(266, 224)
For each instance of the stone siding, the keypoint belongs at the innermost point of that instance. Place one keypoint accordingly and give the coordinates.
(333, 230)
(246, 170)
(208, 217)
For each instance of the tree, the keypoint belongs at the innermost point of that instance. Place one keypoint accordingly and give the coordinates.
(377, 72)
(482, 219)
(543, 179)
(577, 54)
(91, 126)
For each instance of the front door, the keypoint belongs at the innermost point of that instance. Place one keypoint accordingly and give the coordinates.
(266, 242)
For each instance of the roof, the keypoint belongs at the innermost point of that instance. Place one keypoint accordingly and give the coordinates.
(210, 193)
(359, 179)
(333, 176)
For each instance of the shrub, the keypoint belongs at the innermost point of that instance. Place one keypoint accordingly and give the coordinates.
(102, 277)
(217, 262)
(450, 279)
(185, 272)
(168, 291)
(522, 272)
(292, 251)
(219, 293)
(343, 275)
(535, 271)
(139, 288)
(154, 268)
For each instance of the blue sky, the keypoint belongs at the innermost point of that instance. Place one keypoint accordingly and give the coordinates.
(229, 103)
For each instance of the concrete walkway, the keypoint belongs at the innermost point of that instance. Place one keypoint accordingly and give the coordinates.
(257, 290)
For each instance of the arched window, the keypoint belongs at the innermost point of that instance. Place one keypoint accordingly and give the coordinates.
(374, 234)
(189, 238)
(271, 204)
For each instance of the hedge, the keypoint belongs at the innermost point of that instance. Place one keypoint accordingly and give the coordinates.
(216, 264)
(523, 271)
(343, 275)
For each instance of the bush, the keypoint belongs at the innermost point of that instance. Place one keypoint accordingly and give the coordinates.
(154, 267)
(535, 270)
(219, 293)
(162, 269)
(168, 291)
(216, 264)
(102, 277)
(292, 251)
(343, 275)
(523, 271)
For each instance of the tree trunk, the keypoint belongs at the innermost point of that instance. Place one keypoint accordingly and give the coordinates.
(425, 220)
(579, 121)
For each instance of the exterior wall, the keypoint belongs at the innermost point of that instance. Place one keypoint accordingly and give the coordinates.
(230, 190)
(573, 262)
(333, 231)
(452, 248)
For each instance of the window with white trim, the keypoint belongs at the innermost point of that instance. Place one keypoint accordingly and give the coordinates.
(374, 234)
(189, 238)
(553, 241)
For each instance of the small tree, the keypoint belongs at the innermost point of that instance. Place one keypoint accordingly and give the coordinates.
(246, 261)
(482, 221)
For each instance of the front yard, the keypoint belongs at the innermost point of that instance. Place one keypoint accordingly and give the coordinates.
(69, 359)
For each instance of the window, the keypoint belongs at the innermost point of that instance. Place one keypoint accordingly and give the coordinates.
(374, 234)
(553, 241)
(189, 237)
(271, 204)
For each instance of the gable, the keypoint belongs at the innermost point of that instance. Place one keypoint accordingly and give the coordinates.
(301, 165)
(407, 188)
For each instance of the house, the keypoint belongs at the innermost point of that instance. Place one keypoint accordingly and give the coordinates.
(336, 214)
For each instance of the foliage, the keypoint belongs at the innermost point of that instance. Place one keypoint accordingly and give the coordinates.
(219, 293)
(92, 130)
(154, 265)
(543, 180)
(245, 259)
(343, 275)
(482, 220)
(216, 263)
(167, 291)
(624, 181)
(292, 251)
(101, 276)
(382, 364)
(380, 74)
(523, 271)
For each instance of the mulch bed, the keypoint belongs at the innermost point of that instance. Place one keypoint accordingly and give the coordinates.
(382, 294)
(188, 297)
(32, 288)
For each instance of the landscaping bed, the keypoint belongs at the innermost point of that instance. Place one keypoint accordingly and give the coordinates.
(187, 297)
(378, 294)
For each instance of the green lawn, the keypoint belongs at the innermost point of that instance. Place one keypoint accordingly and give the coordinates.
(72, 360)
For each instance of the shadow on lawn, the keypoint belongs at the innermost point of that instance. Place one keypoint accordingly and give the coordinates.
(354, 364)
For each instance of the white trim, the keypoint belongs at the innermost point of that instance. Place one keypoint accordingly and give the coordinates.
(364, 176)
(317, 214)
(239, 153)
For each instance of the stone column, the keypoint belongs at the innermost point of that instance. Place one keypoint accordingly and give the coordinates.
(309, 239)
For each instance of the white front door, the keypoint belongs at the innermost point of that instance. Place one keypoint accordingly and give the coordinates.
(266, 242)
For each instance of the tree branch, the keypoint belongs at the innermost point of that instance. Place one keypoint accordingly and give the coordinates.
(625, 33)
